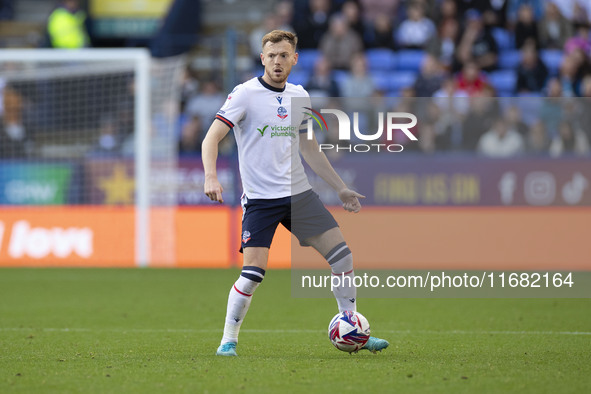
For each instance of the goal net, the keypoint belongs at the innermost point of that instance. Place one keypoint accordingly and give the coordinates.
(88, 142)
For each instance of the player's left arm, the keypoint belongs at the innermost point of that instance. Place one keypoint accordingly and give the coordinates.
(320, 165)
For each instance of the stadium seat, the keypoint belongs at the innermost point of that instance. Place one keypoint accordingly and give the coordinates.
(299, 77)
(381, 59)
(307, 58)
(503, 80)
(503, 38)
(505, 93)
(509, 59)
(381, 80)
(410, 60)
(552, 58)
(399, 80)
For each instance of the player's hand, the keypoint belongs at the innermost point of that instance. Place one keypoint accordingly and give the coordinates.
(350, 200)
(213, 189)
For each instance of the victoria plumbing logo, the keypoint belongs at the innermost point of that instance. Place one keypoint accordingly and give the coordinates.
(391, 123)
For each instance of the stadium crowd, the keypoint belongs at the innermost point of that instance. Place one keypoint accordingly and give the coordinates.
(497, 77)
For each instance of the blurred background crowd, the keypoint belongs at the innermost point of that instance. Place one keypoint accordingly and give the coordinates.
(498, 78)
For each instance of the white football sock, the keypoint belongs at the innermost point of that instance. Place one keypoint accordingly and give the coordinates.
(341, 264)
(239, 300)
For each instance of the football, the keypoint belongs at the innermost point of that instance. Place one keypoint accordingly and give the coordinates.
(348, 331)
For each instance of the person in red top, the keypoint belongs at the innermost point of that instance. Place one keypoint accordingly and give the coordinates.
(471, 79)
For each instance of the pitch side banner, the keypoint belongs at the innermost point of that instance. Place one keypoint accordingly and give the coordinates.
(38, 183)
(466, 181)
(111, 182)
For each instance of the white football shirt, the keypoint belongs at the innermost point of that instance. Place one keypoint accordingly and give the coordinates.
(267, 131)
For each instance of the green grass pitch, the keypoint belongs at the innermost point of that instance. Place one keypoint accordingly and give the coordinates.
(148, 330)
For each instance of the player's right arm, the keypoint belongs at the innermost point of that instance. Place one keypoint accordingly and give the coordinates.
(209, 154)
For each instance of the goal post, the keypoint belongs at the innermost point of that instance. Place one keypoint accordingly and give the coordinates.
(66, 97)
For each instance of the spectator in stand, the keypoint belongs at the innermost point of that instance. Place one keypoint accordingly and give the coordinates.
(515, 120)
(551, 111)
(381, 35)
(444, 123)
(573, 10)
(526, 29)
(583, 116)
(569, 141)
(310, 25)
(477, 44)
(537, 139)
(284, 13)
(417, 29)
(108, 143)
(531, 72)
(322, 83)
(340, 43)
(493, 11)
(582, 64)
(501, 141)
(428, 140)
(352, 14)
(206, 104)
(430, 78)
(448, 9)
(464, 6)
(278, 19)
(372, 8)
(443, 45)
(583, 11)
(513, 7)
(66, 26)
(270, 23)
(553, 28)
(453, 104)
(483, 112)
(581, 40)
(569, 81)
(586, 88)
(359, 83)
(496, 13)
(189, 87)
(13, 136)
(191, 137)
(471, 79)
(450, 96)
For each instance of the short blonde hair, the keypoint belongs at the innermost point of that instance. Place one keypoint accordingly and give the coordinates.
(276, 36)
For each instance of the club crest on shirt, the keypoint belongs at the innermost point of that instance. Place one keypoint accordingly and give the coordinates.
(245, 237)
(282, 113)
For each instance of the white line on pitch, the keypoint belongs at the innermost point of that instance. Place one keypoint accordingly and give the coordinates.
(290, 331)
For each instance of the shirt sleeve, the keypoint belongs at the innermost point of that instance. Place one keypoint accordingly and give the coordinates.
(234, 108)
